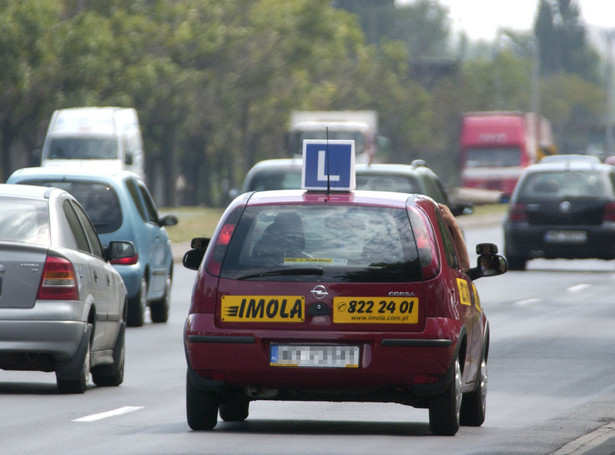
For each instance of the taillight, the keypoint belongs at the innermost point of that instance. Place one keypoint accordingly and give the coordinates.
(126, 261)
(59, 281)
(219, 249)
(609, 212)
(517, 213)
(425, 243)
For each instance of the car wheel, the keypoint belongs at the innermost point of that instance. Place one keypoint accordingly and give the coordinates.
(137, 305)
(113, 375)
(474, 404)
(160, 308)
(234, 409)
(444, 410)
(201, 407)
(516, 262)
(74, 375)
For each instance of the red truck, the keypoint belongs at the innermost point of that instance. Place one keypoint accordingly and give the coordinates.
(497, 145)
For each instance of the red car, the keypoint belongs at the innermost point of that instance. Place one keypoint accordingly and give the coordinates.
(352, 296)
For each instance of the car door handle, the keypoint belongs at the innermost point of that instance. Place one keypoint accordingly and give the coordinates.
(96, 277)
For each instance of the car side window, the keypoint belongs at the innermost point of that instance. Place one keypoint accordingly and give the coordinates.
(90, 232)
(136, 199)
(76, 228)
(152, 213)
(449, 245)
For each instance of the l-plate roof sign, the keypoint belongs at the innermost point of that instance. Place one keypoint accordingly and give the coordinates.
(328, 165)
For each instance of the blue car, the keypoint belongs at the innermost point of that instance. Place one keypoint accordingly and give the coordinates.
(121, 208)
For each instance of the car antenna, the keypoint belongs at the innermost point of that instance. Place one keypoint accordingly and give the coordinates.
(327, 162)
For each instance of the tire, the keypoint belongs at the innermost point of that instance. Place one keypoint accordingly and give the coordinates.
(74, 375)
(474, 404)
(201, 407)
(234, 409)
(113, 375)
(137, 305)
(159, 309)
(444, 410)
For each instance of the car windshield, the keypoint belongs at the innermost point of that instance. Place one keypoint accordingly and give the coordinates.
(493, 157)
(83, 148)
(24, 221)
(100, 201)
(557, 185)
(323, 243)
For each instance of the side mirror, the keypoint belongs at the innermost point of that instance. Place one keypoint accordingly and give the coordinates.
(488, 264)
(200, 243)
(121, 252)
(168, 220)
(193, 258)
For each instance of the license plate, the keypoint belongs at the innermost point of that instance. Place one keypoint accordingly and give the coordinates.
(566, 236)
(374, 310)
(315, 356)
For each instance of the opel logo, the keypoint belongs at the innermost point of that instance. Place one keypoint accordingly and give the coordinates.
(565, 206)
(320, 292)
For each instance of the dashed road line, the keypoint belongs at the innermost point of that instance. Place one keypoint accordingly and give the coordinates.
(107, 414)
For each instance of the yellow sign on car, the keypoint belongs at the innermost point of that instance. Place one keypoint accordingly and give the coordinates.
(263, 308)
(376, 310)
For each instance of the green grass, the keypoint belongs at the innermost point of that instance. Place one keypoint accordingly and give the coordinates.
(193, 222)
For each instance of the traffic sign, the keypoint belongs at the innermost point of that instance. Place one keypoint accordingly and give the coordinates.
(328, 165)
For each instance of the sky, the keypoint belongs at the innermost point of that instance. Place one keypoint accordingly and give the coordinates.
(480, 19)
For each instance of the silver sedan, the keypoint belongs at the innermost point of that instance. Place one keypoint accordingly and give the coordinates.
(62, 305)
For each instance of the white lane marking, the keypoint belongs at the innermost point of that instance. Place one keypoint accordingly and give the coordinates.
(578, 288)
(527, 302)
(107, 414)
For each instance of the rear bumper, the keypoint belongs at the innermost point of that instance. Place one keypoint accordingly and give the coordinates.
(527, 241)
(59, 339)
(391, 363)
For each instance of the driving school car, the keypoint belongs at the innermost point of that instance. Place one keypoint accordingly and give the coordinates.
(336, 296)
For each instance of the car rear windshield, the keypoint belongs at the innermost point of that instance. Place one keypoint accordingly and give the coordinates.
(24, 221)
(565, 184)
(323, 243)
(98, 200)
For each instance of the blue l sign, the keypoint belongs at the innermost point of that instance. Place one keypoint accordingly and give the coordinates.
(328, 165)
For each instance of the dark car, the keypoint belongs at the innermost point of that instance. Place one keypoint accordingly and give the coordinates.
(121, 207)
(561, 209)
(352, 296)
(62, 305)
(417, 177)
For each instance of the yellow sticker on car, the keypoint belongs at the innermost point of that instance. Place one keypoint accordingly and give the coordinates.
(476, 298)
(464, 292)
(376, 310)
(263, 308)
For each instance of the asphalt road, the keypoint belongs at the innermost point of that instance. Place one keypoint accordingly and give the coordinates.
(551, 386)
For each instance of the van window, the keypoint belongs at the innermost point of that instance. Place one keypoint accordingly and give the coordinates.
(83, 148)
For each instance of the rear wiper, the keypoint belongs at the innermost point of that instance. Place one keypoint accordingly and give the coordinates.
(311, 270)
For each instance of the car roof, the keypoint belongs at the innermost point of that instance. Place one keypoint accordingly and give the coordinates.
(569, 165)
(27, 191)
(57, 172)
(359, 197)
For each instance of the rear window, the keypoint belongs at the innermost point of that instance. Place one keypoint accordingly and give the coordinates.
(100, 201)
(276, 179)
(24, 221)
(383, 182)
(323, 243)
(565, 184)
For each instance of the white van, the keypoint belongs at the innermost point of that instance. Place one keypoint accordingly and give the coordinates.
(96, 138)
